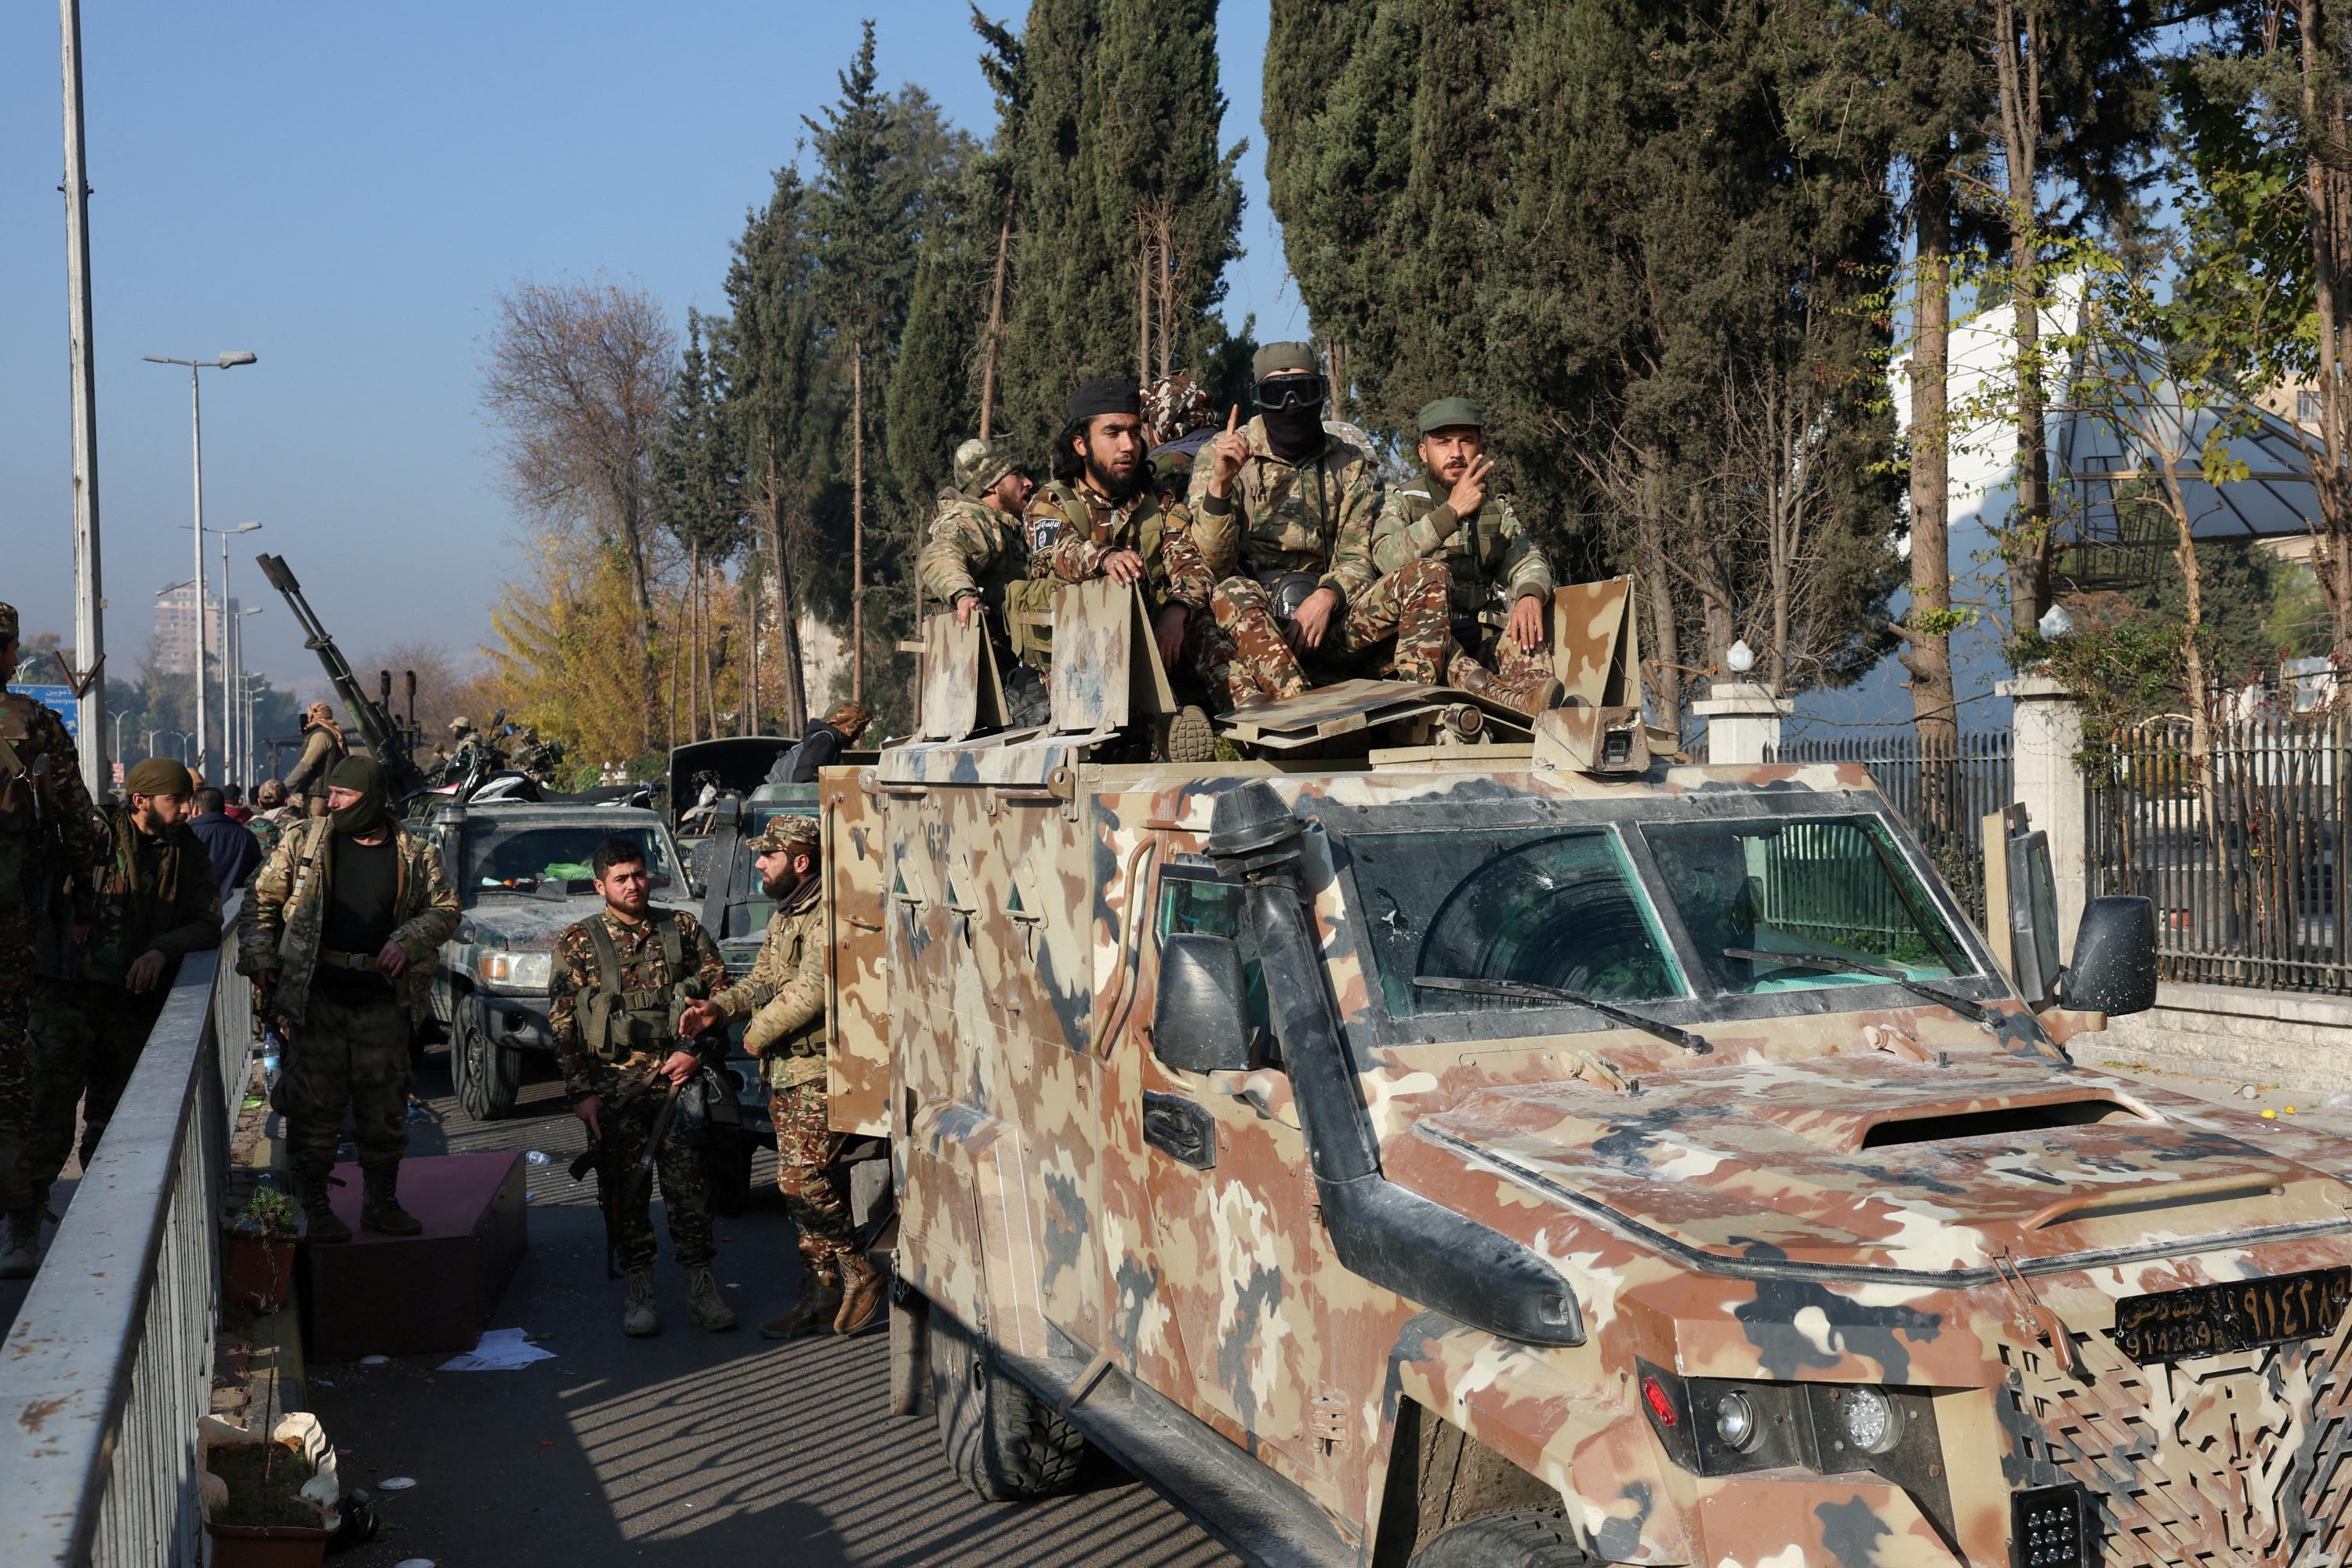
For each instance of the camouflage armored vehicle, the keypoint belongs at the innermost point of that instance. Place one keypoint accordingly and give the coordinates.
(1425, 1144)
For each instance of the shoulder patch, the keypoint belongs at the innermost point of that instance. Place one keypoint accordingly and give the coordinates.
(1044, 527)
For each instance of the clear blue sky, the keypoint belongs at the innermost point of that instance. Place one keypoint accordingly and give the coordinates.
(339, 189)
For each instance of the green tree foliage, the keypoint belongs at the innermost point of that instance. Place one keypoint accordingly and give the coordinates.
(1619, 225)
(698, 465)
(1116, 116)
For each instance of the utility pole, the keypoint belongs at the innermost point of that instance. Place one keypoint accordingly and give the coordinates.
(196, 446)
(89, 591)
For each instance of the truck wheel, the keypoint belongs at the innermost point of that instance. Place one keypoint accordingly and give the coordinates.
(487, 1074)
(1002, 1441)
(726, 1171)
(1522, 1538)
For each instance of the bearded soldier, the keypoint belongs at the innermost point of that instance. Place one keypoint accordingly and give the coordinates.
(96, 1000)
(785, 997)
(977, 555)
(341, 933)
(628, 984)
(1501, 583)
(1103, 516)
(49, 855)
(1294, 510)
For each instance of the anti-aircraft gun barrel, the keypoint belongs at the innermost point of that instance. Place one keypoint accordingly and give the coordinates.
(375, 719)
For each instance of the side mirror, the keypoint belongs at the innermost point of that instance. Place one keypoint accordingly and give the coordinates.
(1199, 1019)
(2114, 969)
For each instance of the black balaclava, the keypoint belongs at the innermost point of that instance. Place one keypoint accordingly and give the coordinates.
(368, 813)
(1294, 433)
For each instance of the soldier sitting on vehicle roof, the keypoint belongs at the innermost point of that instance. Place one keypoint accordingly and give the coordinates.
(1293, 511)
(1179, 418)
(1501, 583)
(977, 557)
(1103, 516)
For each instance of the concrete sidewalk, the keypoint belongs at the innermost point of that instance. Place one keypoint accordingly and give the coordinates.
(689, 1448)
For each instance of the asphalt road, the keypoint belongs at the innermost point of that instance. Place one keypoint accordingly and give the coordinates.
(689, 1448)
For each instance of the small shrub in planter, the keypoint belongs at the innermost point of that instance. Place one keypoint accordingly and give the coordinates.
(261, 1238)
(268, 1503)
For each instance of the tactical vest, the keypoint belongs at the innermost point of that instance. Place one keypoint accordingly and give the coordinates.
(1474, 555)
(19, 811)
(615, 1024)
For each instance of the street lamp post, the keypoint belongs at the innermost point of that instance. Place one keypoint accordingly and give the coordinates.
(233, 701)
(196, 445)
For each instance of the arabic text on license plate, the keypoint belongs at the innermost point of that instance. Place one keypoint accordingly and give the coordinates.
(2210, 1319)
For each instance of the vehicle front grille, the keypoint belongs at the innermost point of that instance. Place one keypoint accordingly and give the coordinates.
(2213, 1462)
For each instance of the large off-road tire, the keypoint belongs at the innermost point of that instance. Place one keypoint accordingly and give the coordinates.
(486, 1075)
(1523, 1538)
(726, 1171)
(1002, 1441)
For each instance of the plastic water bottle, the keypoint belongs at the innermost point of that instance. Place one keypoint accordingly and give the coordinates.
(538, 1157)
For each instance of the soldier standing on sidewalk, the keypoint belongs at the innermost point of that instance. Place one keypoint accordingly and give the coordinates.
(785, 997)
(48, 854)
(341, 933)
(97, 999)
(627, 984)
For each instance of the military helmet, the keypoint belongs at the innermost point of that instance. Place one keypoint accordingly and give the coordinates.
(786, 832)
(460, 724)
(979, 464)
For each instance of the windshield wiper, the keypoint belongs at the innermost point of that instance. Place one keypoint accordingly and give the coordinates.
(1528, 991)
(1831, 964)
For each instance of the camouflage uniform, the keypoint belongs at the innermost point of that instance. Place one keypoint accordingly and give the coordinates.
(346, 1049)
(1072, 529)
(625, 1085)
(785, 997)
(154, 893)
(49, 840)
(1183, 418)
(1491, 564)
(1314, 516)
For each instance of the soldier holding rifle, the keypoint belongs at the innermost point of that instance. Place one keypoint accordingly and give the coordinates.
(624, 1017)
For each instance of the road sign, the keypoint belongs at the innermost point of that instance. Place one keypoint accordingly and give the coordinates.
(60, 698)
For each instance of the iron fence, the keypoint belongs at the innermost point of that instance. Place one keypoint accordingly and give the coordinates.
(1944, 797)
(110, 1363)
(2243, 855)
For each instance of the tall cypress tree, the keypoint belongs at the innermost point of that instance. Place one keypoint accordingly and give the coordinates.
(783, 403)
(865, 200)
(698, 484)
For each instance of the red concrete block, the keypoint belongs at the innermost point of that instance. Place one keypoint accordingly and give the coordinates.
(409, 1295)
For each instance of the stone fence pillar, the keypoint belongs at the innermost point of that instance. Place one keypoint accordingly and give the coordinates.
(2047, 731)
(1743, 719)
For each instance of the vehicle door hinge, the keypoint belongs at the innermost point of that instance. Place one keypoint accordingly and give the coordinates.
(1326, 1420)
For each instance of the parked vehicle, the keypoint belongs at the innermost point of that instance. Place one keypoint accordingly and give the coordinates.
(1420, 1147)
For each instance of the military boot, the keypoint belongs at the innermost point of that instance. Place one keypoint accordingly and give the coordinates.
(319, 1210)
(22, 1254)
(638, 1318)
(705, 1308)
(379, 1209)
(820, 1300)
(862, 1294)
(1468, 675)
(1185, 736)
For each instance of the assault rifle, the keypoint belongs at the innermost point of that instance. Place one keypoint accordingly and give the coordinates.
(617, 1187)
(375, 719)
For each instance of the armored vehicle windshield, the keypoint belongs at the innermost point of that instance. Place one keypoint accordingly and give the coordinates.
(519, 857)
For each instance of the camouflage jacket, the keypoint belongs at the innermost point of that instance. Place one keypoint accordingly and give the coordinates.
(784, 994)
(643, 968)
(974, 549)
(1071, 528)
(286, 909)
(1314, 516)
(154, 892)
(1493, 561)
(49, 829)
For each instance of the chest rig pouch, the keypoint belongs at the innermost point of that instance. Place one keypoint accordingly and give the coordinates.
(614, 1023)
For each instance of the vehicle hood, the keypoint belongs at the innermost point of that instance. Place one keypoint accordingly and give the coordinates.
(526, 924)
(1861, 1162)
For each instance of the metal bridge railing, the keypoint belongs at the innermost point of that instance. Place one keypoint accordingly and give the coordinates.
(110, 1361)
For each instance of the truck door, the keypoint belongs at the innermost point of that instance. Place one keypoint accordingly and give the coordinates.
(857, 1057)
(1232, 1220)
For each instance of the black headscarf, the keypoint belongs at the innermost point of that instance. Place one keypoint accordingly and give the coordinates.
(370, 811)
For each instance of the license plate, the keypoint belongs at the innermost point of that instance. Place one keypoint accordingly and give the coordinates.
(2212, 1320)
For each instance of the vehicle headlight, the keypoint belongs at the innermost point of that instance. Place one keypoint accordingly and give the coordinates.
(503, 970)
(1735, 1420)
(1870, 1419)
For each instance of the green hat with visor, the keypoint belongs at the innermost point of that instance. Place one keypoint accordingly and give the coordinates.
(1443, 413)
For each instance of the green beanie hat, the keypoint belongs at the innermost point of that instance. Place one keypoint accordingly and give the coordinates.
(158, 776)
